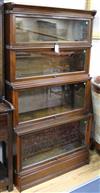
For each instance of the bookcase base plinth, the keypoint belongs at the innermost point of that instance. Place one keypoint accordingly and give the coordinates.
(35, 175)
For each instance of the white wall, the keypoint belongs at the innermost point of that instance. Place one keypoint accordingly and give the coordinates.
(79, 4)
(95, 52)
(95, 59)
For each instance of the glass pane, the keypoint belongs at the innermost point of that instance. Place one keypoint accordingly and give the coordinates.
(46, 63)
(52, 142)
(1, 59)
(46, 101)
(43, 29)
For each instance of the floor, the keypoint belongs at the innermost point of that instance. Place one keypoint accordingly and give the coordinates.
(70, 180)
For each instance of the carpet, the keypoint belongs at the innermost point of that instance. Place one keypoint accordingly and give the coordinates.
(92, 186)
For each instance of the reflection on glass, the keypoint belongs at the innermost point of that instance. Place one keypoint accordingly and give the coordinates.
(35, 29)
(52, 142)
(46, 101)
(46, 63)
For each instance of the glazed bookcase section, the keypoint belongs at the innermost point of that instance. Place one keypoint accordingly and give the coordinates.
(49, 148)
(41, 63)
(46, 101)
(49, 143)
(32, 24)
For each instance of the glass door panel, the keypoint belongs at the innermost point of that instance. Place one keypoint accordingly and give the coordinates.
(46, 63)
(40, 102)
(49, 143)
(46, 29)
(1, 55)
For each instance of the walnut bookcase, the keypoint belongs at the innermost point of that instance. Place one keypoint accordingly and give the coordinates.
(47, 81)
